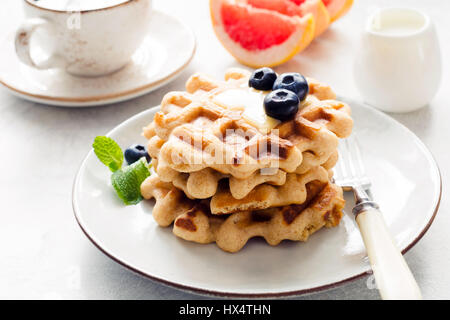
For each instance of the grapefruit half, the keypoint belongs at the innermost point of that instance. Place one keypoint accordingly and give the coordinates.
(298, 8)
(337, 8)
(260, 37)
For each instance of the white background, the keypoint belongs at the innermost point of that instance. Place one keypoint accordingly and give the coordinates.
(44, 254)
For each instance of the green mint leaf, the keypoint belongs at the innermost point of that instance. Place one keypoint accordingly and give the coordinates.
(127, 181)
(108, 152)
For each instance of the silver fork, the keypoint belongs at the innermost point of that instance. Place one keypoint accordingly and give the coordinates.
(392, 275)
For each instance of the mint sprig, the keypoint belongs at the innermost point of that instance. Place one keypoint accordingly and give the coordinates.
(126, 181)
(108, 152)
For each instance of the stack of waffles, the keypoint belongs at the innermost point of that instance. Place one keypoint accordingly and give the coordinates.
(225, 172)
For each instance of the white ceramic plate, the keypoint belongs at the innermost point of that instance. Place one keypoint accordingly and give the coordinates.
(406, 184)
(165, 52)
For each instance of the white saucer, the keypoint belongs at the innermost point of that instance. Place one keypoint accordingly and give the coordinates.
(167, 50)
(405, 182)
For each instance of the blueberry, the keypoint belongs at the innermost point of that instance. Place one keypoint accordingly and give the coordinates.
(281, 104)
(135, 152)
(262, 79)
(294, 82)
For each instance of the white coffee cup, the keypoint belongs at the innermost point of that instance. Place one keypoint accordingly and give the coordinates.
(398, 65)
(89, 38)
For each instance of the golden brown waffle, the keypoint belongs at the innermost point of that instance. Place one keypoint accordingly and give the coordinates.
(204, 183)
(170, 201)
(293, 191)
(217, 138)
(290, 189)
(192, 123)
(194, 222)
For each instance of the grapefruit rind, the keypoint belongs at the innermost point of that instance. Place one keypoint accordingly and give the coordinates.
(291, 8)
(337, 8)
(270, 57)
(320, 13)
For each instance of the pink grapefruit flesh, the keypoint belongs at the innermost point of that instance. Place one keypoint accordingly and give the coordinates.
(298, 8)
(337, 8)
(257, 36)
(244, 25)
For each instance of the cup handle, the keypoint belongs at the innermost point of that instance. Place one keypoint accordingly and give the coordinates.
(22, 44)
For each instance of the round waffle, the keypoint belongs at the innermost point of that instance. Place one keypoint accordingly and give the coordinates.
(199, 141)
(193, 221)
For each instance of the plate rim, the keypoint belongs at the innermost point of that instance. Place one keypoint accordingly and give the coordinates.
(92, 101)
(283, 294)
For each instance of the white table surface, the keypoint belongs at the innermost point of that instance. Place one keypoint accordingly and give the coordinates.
(44, 254)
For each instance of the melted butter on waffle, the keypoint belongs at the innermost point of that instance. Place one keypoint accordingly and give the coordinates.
(251, 102)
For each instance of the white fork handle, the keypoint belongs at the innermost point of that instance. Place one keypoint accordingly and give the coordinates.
(392, 275)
